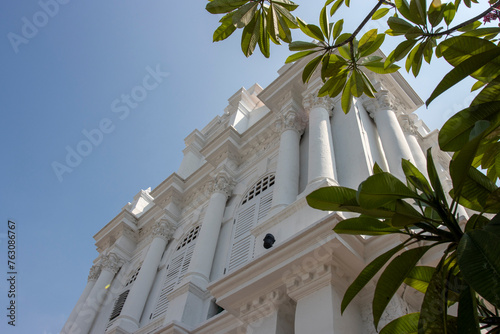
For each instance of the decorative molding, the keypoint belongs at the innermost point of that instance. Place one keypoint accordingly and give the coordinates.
(313, 101)
(264, 305)
(291, 120)
(407, 123)
(112, 262)
(164, 229)
(304, 282)
(384, 100)
(94, 272)
(223, 184)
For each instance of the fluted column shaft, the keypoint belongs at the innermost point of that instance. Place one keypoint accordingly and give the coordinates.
(320, 165)
(95, 270)
(391, 134)
(136, 300)
(286, 187)
(410, 131)
(203, 255)
(85, 319)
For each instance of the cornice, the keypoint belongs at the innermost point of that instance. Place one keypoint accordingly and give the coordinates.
(229, 135)
(275, 267)
(223, 322)
(174, 180)
(119, 226)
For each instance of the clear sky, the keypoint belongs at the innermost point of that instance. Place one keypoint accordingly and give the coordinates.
(66, 71)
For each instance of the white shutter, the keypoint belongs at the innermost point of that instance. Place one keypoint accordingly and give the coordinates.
(254, 207)
(242, 248)
(176, 270)
(265, 205)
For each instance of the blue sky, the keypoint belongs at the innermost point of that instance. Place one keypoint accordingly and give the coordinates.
(69, 76)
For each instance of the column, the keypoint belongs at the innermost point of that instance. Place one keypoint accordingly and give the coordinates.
(320, 166)
(130, 316)
(410, 130)
(318, 302)
(110, 264)
(382, 110)
(286, 188)
(95, 270)
(272, 313)
(203, 255)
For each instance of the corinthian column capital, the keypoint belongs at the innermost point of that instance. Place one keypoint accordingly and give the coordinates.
(164, 229)
(291, 120)
(112, 262)
(407, 123)
(94, 272)
(223, 184)
(383, 100)
(313, 101)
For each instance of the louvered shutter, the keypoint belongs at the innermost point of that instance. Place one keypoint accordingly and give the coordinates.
(242, 248)
(255, 206)
(176, 271)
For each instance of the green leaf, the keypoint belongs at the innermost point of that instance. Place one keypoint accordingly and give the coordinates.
(223, 6)
(476, 222)
(346, 100)
(273, 24)
(455, 133)
(357, 84)
(365, 225)
(398, 26)
(373, 46)
(336, 6)
(380, 68)
(449, 13)
(299, 46)
(433, 311)
(463, 70)
(419, 10)
(311, 30)
(392, 278)
(467, 320)
(404, 9)
(250, 36)
(310, 68)
(367, 40)
(338, 85)
(225, 29)
(400, 52)
(407, 324)
(337, 29)
(479, 261)
(298, 55)
(419, 277)
(435, 180)
(380, 13)
(290, 20)
(489, 93)
(383, 188)
(289, 5)
(264, 46)
(332, 198)
(435, 14)
(243, 15)
(367, 274)
(488, 32)
(323, 22)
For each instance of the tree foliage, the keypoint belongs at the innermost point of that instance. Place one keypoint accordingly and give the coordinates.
(468, 273)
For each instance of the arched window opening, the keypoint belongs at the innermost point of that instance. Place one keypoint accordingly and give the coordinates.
(176, 270)
(254, 206)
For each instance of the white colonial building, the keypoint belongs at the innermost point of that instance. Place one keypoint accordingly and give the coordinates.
(189, 255)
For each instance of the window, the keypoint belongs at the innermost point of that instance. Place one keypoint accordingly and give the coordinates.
(176, 270)
(117, 308)
(254, 206)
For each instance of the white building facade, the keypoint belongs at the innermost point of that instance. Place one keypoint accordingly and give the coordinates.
(189, 256)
